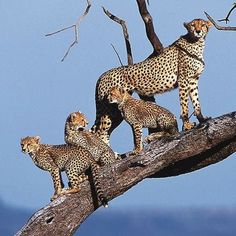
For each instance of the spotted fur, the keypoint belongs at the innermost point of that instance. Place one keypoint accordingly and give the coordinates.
(180, 65)
(76, 134)
(143, 114)
(56, 158)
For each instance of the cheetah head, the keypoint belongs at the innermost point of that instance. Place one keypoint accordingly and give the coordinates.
(77, 121)
(198, 28)
(30, 144)
(117, 95)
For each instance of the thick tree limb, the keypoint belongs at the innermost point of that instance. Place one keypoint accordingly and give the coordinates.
(76, 29)
(125, 33)
(204, 145)
(218, 26)
(152, 37)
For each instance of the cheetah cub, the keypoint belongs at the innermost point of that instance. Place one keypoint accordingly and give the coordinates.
(56, 158)
(140, 114)
(76, 134)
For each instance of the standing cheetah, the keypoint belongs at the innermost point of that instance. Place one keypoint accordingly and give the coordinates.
(76, 134)
(56, 158)
(143, 114)
(180, 65)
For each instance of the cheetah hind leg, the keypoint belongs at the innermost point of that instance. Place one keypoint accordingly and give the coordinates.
(83, 177)
(201, 118)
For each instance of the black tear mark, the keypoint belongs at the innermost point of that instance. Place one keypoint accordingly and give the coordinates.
(49, 220)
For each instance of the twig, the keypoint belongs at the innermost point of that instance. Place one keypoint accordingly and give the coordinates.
(117, 54)
(125, 32)
(218, 26)
(76, 29)
(227, 17)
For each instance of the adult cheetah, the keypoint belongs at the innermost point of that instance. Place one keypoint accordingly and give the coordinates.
(180, 65)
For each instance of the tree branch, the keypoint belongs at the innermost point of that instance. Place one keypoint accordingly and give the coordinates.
(218, 26)
(125, 32)
(150, 32)
(202, 146)
(76, 29)
(228, 15)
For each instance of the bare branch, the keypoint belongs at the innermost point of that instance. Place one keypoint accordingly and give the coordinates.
(117, 54)
(202, 146)
(125, 32)
(218, 26)
(228, 15)
(154, 40)
(76, 29)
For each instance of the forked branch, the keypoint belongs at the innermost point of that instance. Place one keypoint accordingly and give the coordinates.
(218, 26)
(125, 32)
(202, 146)
(226, 19)
(76, 30)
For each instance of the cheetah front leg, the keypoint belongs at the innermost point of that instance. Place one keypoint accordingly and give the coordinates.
(56, 177)
(183, 96)
(137, 136)
(150, 99)
(193, 92)
(111, 114)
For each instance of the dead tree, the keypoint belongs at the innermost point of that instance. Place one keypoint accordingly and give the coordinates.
(206, 144)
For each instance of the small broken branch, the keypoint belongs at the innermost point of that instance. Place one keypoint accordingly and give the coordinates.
(218, 26)
(228, 15)
(152, 37)
(76, 29)
(125, 32)
(207, 144)
(117, 54)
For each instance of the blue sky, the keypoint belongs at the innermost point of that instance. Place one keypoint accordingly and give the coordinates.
(38, 91)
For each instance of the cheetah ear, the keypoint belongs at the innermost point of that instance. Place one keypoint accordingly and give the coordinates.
(37, 138)
(186, 25)
(72, 116)
(121, 90)
(209, 24)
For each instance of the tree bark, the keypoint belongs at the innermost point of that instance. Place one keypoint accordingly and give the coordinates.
(208, 143)
(150, 31)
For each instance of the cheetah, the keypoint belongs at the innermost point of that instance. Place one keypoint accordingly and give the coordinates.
(180, 65)
(143, 114)
(57, 158)
(76, 134)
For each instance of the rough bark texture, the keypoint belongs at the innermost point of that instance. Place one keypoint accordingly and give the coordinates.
(204, 145)
(150, 31)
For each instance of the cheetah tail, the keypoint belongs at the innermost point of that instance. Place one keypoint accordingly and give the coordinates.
(100, 193)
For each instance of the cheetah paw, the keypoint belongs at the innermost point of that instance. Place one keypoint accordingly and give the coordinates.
(54, 197)
(188, 125)
(70, 190)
